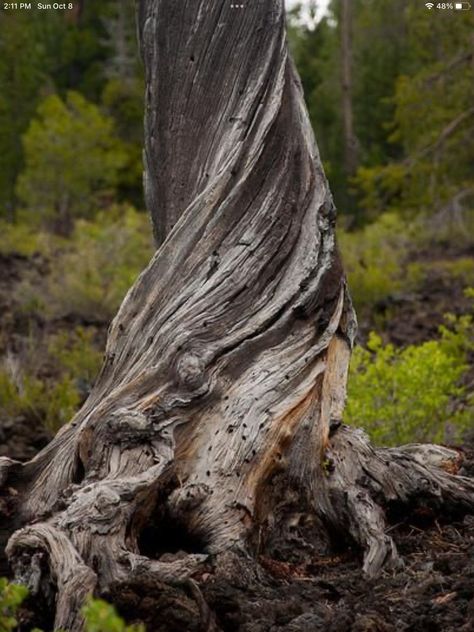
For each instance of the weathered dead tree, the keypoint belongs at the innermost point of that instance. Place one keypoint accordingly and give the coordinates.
(222, 390)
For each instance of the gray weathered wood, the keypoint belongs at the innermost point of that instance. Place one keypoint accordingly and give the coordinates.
(227, 361)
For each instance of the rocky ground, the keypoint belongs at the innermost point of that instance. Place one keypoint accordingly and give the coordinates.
(433, 593)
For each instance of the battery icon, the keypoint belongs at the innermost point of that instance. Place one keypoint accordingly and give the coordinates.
(462, 6)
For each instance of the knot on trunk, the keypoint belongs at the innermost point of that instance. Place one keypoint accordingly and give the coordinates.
(129, 425)
(107, 518)
(190, 371)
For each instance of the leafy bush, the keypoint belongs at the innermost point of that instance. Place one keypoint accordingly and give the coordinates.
(50, 403)
(89, 275)
(21, 391)
(53, 399)
(21, 238)
(92, 277)
(461, 269)
(11, 598)
(102, 617)
(380, 261)
(373, 259)
(99, 615)
(75, 354)
(94, 269)
(403, 395)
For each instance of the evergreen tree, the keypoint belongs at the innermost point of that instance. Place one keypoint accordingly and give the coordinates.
(433, 123)
(71, 156)
(22, 77)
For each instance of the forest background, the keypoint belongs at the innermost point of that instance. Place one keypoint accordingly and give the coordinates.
(389, 87)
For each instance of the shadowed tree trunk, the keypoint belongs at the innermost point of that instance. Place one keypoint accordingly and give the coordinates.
(219, 404)
(350, 140)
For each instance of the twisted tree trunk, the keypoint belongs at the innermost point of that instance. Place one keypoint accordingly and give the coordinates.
(219, 403)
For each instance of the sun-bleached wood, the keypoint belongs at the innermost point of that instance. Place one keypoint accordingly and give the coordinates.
(223, 383)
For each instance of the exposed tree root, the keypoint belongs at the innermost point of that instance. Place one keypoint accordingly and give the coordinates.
(361, 483)
(357, 485)
(73, 580)
(207, 623)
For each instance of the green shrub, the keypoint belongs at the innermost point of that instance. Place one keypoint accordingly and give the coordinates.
(70, 362)
(99, 615)
(92, 275)
(11, 598)
(461, 269)
(76, 354)
(21, 394)
(50, 403)
(102, 617)
(374, 259)
(408, 394)
(20, 239)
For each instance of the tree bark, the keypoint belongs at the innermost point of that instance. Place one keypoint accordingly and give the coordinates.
(221, 395)
(350, 139)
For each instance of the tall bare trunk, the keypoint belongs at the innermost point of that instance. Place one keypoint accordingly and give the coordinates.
(221, 396)
(350, 140)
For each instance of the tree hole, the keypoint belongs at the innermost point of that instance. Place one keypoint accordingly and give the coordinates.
(165, 535)
(79, 472)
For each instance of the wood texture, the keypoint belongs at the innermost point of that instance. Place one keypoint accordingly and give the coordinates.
(223, 383)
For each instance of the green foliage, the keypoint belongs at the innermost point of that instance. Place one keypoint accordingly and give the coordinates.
(380, 262)
(71, 156)
(123, 101)
(51, 404)
(102, 617)
(373, 258)
(75, 354)
(76, 46)
(99, 615)
(11, 598)
(46, 51)
(380, 55)
(432, 123)
(21, 395)
(103, 259)
(404, 395)
(22, 75)
(48, 382)
(19, 238)
(459, 269)
(92, 270)
(412, 98)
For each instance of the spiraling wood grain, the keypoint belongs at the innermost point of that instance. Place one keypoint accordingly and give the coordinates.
(226, 365)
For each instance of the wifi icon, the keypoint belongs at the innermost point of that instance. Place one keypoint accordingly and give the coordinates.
(429, 5)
